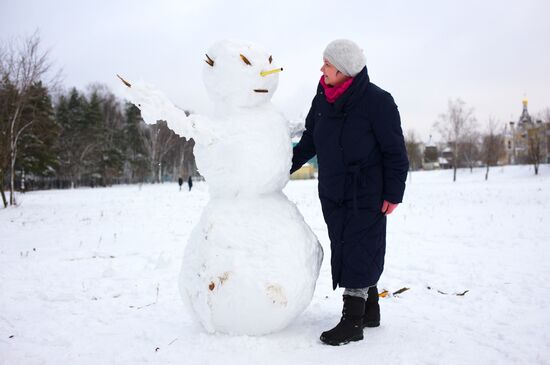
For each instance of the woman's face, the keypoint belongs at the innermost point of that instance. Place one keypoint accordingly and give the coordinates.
(332, 76)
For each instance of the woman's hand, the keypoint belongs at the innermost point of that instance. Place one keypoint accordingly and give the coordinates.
(388, 208)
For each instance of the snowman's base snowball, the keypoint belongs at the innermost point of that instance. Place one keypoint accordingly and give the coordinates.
(250, 266)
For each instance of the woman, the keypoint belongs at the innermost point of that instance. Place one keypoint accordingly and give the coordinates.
(354, 128)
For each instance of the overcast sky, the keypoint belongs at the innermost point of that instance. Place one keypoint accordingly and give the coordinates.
(489, 53)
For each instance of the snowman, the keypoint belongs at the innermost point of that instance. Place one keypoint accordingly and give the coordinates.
(251, 262)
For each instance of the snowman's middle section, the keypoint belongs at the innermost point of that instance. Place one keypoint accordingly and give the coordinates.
(252, 155)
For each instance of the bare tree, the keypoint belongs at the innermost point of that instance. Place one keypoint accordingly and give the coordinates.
(161, 141)
(468, 147)
(4, 137)
(538, 139)
(413, 152)
(535, 141)
(453, 125)
(22, 64)
(493, 146)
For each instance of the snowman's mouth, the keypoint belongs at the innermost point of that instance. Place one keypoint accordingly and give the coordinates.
(261, 90)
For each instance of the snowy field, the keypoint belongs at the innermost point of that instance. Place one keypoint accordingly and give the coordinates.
(89, 276)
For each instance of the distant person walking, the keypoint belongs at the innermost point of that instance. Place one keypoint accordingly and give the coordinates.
(180, 182)
(190, 182)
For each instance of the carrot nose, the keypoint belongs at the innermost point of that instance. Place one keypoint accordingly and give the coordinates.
(275, 70)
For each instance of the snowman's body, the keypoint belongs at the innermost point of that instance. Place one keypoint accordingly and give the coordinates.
(251, 262)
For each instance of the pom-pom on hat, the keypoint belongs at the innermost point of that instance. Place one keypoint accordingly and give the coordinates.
(346, 56)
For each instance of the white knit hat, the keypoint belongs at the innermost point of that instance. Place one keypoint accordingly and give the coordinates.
(346, 56)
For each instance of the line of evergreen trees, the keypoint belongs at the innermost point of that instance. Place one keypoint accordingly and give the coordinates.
(75, 138)
(86, 139)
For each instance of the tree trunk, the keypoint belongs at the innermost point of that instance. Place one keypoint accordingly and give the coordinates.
(13, 146)
(12, 177)
(2, 189)
(455, 159)
(160, 172)
(487, 173)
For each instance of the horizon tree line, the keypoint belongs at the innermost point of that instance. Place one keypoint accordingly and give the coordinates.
(66, 139)
(469, 146)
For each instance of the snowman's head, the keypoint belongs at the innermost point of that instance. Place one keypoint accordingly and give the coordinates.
(239, 73)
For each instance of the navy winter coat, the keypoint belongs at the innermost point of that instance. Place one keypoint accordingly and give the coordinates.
(362, 161)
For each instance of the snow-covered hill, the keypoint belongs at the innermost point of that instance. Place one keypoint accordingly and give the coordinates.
(89, 276)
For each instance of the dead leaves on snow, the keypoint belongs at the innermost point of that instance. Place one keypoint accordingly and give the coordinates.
(444, 293)
(385, 293)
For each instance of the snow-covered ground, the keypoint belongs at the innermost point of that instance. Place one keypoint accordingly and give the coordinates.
(89, 276)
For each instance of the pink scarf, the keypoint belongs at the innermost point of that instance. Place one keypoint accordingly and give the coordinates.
(334, 92)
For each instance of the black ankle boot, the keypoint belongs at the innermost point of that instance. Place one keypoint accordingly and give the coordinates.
(350, 327)
(372, 309)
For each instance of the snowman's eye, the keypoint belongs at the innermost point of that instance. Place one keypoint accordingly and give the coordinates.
(270, 59)
(209, 60)
(245, 60)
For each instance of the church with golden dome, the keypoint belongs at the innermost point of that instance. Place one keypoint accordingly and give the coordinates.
(526, 139)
